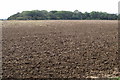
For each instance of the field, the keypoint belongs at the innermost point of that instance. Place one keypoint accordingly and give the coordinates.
(60, 49)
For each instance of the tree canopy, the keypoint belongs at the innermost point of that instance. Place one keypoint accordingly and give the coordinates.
(62, 15)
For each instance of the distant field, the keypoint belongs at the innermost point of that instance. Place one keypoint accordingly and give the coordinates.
(60, 49)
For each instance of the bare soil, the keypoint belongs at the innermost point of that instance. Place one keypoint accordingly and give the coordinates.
(60, 49)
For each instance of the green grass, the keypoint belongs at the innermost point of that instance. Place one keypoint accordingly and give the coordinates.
(117, 78)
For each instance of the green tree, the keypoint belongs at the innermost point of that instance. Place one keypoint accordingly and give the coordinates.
(63, 15)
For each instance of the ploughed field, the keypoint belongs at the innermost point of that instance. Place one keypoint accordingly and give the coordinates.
(60, 49)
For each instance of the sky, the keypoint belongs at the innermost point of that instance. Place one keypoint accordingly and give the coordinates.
(10, 7)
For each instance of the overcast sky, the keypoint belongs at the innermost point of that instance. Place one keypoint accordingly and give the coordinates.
(10, 7)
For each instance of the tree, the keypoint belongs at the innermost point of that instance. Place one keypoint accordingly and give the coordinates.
(77, 15)
(51, 15)
(63, 15)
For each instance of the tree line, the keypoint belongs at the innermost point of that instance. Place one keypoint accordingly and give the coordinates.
(62, 15)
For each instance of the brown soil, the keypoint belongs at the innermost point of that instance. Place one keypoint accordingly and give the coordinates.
(60, 49)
